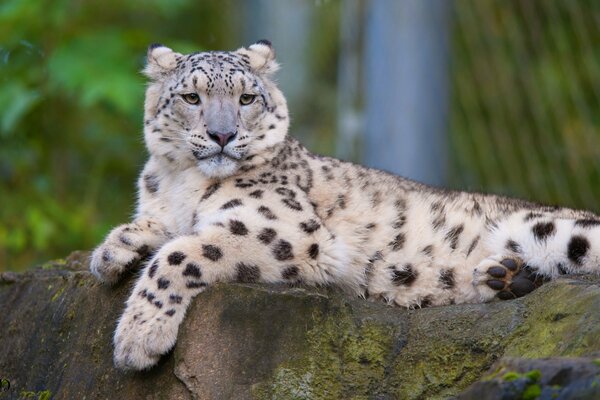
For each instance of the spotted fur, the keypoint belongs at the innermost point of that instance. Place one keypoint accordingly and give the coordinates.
(226, 196)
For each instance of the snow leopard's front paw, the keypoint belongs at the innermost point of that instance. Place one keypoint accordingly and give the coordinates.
(143, 335)
(123, 248)
(109, 262)
(506, 278)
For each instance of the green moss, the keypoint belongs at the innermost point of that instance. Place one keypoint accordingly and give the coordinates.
(58, 293)
(532, 392)
(81, 281)
(596, 362)
(360, 360)
(493, 375)
(531, 376)
(358, 354)
(289, 384)
(442, 374)
(342, 360)
(447, 350)
(511, 376)
(54, 264)
(44, 395)
(40, 395)
(534, 375)
(554, 325)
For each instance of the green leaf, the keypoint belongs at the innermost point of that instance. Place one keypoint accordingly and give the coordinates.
(79, 66)
(16, 101)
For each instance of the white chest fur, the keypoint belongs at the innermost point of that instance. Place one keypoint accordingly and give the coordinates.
(175, 199)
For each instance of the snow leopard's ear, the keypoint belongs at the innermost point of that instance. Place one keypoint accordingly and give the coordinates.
(261, 57)
(160, 61)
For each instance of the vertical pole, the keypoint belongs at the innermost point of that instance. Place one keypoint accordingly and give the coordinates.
(350, 114)
(406, 84)
(287, 25)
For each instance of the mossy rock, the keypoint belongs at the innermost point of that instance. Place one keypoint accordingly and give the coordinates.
(243, 341)
(561, 378)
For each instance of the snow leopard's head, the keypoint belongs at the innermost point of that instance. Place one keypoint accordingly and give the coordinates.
(217, 110)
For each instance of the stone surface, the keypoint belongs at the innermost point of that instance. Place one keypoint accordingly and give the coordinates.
(543, 379)
(243, 341)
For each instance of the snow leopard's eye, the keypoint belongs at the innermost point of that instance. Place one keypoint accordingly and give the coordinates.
(191, 98)
(247, 99)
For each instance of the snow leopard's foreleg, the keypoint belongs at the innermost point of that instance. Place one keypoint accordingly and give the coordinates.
(243, 246)
(125, 246)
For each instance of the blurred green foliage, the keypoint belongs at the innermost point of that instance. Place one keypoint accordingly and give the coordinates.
(525, 116)
(71, 108)
(71, 103)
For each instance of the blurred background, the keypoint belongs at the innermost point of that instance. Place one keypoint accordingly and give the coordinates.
(482, 95)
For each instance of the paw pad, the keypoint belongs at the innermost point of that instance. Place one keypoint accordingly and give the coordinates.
(511, 264)
(512, 279)
(497, 272)
(496, 284)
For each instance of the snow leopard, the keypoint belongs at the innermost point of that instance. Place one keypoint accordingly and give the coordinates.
(228, 196)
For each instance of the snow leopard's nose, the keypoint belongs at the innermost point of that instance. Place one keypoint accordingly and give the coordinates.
(222, 139)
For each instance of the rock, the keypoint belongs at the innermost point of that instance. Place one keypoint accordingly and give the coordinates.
(543, 379)
(242, 341)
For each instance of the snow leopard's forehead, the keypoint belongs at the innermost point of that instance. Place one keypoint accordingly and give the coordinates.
(216, 72)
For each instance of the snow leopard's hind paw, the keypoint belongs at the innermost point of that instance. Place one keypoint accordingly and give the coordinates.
(506, 278)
